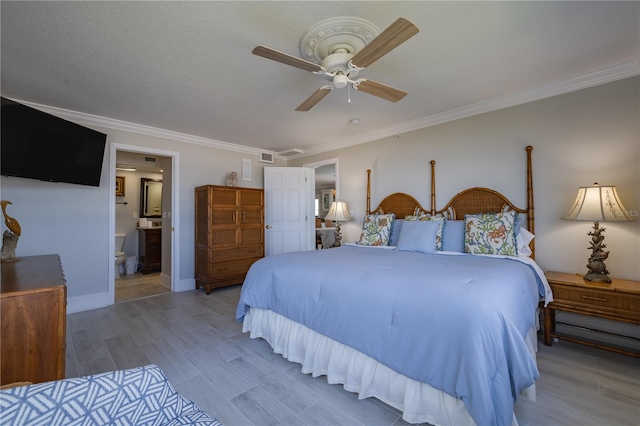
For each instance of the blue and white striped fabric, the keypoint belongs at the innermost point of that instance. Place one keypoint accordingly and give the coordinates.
(138, 396)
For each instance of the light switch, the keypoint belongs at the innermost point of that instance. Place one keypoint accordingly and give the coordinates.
(134, 215)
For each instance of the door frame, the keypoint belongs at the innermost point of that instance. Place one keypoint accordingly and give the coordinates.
(175, 212)
(326, 162)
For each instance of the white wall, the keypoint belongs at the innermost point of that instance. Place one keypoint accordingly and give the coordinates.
(73, 220)
(579, 138)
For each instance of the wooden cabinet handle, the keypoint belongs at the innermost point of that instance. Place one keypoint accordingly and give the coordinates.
(244, 216)
(233, 217)
(597, 299)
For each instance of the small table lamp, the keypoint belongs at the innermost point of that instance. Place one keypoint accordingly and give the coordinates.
(598, 204)
(338, 212)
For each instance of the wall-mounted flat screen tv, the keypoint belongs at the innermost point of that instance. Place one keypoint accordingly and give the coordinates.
(37, 145)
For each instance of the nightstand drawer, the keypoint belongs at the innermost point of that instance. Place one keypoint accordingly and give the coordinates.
(613, 304)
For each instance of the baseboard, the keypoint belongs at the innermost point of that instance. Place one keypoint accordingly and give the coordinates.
(88, 302)
(165, 280)
(100, 300)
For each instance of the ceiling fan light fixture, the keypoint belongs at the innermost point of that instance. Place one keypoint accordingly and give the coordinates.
(338, 62)
(340, 81)
(339, 65)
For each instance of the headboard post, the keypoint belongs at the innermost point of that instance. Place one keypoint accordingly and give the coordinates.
(368, 191)
(530, 207)
(433, 187)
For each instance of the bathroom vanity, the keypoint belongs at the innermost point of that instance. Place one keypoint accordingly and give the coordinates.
(150, 249)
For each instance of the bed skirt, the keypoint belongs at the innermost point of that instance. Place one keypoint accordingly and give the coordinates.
(359, 373)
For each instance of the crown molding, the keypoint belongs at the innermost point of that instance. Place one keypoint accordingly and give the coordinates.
(109, 123)
(606, 75)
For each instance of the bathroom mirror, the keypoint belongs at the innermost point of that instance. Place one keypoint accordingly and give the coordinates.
(150, 197)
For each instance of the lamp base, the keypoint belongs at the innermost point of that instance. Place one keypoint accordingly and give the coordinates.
(596, 277)
(597, 269)
(338, 236)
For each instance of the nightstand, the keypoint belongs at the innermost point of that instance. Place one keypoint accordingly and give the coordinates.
(618, 301)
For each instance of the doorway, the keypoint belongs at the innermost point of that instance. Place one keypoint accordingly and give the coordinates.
(139, 165)
(326, 179)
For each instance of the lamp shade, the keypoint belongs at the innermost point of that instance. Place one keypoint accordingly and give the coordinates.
(338, 212)
(598, 204)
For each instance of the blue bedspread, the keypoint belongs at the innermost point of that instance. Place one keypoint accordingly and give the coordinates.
(457, 323)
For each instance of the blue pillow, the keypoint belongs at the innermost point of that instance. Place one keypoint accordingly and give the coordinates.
(396, 226)
(419, 236)
(453, 236)
(520, 218)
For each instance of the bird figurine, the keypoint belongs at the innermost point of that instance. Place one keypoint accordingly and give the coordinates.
(11, 223)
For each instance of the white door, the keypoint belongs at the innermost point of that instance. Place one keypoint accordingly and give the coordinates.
(288, 209)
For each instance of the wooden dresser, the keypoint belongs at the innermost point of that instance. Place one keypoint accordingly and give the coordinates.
(229, 234)
(150, 249)
(33, 307)
(618, 301)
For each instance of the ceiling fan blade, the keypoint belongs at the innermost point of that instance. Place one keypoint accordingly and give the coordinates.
(286, 59)
(316, 97)
(380, 90)
(396, 34)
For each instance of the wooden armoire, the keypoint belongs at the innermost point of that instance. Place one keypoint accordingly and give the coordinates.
(229, 234)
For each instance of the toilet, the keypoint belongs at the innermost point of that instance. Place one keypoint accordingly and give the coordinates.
(120, 254)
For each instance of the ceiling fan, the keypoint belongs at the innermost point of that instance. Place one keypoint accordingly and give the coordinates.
(343, 58)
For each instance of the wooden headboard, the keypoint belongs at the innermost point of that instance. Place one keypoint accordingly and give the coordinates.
(470, 201)
(399, 203)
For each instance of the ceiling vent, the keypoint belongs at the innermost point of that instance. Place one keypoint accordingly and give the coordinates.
(150, 159)
(265, 156)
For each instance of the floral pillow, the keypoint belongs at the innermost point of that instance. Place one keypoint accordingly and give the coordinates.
(490, 233)
(432, 219)
(376, 229)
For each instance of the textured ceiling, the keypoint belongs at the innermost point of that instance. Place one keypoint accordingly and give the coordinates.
(187, 67)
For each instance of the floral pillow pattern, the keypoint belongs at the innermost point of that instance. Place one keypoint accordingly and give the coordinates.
(490, 233)
(376, 229)
(432, 219)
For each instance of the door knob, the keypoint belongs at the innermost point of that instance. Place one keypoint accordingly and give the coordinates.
(268, 226)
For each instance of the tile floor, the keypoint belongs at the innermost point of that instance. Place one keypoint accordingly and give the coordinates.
(198, 343)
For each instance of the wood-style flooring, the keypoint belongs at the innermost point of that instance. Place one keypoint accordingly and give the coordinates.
(199, 345)
(136, 286)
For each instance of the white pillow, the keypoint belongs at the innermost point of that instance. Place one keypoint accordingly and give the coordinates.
(523, 239)
(419, 236)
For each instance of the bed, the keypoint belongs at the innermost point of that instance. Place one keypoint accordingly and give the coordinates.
(444, 336)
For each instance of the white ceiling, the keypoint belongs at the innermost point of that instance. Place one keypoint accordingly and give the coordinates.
(187, 67)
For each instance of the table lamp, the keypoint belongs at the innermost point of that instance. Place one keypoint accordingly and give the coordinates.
(338, 212)
(598, 204)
